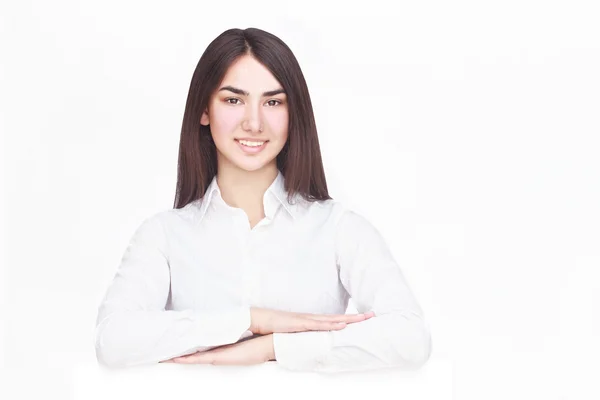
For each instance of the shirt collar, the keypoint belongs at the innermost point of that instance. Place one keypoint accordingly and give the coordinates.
(274, 196)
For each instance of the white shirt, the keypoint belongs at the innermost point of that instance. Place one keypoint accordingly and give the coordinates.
(189, 276)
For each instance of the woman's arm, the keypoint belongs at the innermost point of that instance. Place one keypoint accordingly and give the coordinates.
(133, 326)
(397, 336)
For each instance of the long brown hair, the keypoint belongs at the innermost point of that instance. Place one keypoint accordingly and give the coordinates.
(300, 158)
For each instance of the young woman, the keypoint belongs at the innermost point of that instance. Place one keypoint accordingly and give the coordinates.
(256, 262)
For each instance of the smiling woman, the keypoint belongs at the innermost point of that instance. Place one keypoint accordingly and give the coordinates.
(255, 261)
(263, 116)
(255, 114)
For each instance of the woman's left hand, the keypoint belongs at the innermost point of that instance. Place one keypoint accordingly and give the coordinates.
(248, 352)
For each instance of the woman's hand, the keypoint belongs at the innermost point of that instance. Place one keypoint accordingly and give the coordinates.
(266, 321)
(248, 352)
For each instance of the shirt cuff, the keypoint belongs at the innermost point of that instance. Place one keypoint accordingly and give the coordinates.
(302, 350)
(218, 328)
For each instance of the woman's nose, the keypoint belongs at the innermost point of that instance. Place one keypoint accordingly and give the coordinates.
(252, 121)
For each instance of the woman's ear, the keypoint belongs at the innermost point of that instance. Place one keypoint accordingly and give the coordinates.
(204, 118)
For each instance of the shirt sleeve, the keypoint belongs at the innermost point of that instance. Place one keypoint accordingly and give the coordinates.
(397, 336)
(132, 325)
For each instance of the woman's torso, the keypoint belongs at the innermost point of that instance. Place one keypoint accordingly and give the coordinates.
(284, 262)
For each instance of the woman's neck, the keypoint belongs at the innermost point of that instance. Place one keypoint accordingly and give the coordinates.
(245, 189)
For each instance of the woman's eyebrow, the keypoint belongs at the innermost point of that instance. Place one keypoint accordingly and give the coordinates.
(245, 93)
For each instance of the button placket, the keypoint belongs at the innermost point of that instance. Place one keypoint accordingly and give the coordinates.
(253, 268)
(250, 268)
(241, 234)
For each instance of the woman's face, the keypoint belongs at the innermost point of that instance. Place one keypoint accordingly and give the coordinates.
(248, 104)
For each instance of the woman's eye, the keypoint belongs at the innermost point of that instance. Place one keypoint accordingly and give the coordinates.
(232, 100)
(273, 103)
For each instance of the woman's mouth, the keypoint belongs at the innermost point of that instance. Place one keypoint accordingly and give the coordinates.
(252, 146)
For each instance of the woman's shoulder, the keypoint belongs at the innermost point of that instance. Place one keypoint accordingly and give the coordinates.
(347, 215)
(332, 209)
(169, 216)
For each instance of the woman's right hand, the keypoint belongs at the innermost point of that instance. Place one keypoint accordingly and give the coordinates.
(266, 321)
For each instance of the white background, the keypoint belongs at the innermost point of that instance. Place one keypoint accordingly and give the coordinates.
(467, 132)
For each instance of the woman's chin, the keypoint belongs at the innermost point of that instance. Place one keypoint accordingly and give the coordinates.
(251, 166)
(250, 163)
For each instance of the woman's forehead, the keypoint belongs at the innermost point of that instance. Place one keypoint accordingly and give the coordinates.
(248, 74)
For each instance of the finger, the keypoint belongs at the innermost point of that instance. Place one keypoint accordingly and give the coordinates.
(326, 317)
(352, 317)
(196, 358)
(348, 318)
(316, 325)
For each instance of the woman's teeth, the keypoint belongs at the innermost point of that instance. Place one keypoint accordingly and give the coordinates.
(251, 144)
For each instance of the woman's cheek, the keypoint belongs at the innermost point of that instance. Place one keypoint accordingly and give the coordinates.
(227, 119)
(278, 122)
